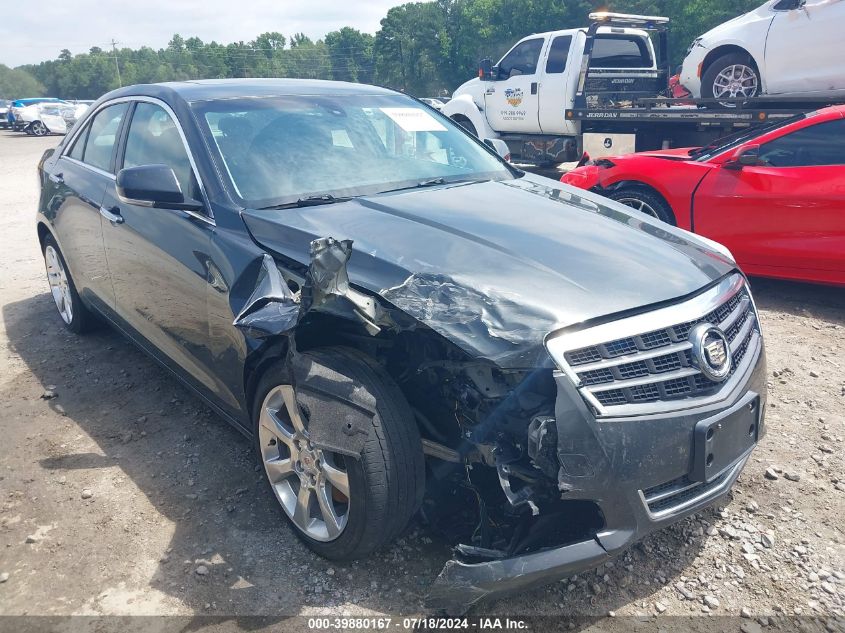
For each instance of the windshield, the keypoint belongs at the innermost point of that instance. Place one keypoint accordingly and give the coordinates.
(281, 149)
(738, 138)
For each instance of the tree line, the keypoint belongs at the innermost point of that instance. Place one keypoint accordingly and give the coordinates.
(422, 48)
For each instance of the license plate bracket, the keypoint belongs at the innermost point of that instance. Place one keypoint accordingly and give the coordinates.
(720, 440)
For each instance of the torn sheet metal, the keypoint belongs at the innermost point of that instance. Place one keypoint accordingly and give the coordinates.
(460, 585)
(271, 309)
(486, 324)
(327, 279)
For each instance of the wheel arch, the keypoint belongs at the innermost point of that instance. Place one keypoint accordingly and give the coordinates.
(43, 231)
(727, 49)
(639, 184)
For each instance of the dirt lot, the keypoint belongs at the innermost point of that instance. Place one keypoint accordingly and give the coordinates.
(123, 494)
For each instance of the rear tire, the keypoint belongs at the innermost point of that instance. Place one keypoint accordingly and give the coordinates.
(376, 493)
(74, 314)
(731, 76)
(645, 200)
(38, 128)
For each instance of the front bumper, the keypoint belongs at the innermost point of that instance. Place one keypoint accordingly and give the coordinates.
(637, 470)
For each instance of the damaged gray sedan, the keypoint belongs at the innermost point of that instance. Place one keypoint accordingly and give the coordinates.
(406, 324)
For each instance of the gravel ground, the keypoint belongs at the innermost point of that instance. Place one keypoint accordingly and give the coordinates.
(122, 494)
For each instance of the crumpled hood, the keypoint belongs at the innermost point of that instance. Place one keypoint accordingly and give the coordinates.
(495, 266)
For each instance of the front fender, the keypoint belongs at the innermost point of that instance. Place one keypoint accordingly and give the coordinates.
(464, 106)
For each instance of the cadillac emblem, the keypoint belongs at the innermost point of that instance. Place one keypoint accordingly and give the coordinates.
(711, 352)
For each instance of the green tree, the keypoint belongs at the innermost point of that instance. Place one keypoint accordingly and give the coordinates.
(16, 83)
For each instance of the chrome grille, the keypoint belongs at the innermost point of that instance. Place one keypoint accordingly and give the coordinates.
(620, 374)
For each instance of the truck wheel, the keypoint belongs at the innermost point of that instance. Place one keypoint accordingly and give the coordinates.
(466, 124)
(341, 507)
(731, 76)
(75, 316)
(646, 201)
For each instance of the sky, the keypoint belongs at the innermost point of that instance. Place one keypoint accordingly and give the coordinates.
(33, 36)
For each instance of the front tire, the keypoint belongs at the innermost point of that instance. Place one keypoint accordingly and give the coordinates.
(341, 507)
(644, 200)
(732, 76)
(74, 314)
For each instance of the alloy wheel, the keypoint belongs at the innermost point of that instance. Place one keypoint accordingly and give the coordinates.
(735, 81)
(59, 285)
(639, 205)
(312, 485)
(39, 129)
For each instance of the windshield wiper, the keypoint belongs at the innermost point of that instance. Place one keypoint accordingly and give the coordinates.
(310, 201)
(431, 182)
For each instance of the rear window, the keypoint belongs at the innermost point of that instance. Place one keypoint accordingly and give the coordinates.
(620, 51)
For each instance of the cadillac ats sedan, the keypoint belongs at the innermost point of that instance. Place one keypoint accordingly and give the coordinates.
(404, 324)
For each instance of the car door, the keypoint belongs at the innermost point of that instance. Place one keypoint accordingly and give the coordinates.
(786, 216)
(79, 181)
(511, 102)
(557, 87)
(814, 31)
(158, 258)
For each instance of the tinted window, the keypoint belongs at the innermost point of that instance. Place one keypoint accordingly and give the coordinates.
(620, 51)
(522, 60)
(102, 134)
(822, 144)
(154, 139)
(558, 53)
(78, 149)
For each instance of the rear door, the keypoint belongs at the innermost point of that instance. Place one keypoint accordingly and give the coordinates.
(785, 218)
(557, 84)
(80, 178)
(511, 102)
(801, 49)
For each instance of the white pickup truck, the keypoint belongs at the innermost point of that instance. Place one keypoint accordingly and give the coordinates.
(524, 97)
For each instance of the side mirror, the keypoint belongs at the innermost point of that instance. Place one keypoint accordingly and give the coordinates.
(485, 70)
(153, 186)
(500, 147)
(748, 156)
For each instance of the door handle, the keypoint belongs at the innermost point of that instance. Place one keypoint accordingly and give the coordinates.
(533, 87)
(112, 215)
(57, 178)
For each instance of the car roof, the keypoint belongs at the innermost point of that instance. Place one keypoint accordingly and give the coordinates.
(211, 89)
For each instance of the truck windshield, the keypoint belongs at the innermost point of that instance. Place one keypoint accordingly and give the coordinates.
(730, 141)
(278, 150)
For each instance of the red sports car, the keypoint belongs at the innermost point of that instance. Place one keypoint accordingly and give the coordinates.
(774, 194)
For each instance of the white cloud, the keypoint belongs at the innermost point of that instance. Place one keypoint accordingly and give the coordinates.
(33, 36)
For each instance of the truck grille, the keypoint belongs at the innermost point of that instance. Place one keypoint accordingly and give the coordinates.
(656, 366)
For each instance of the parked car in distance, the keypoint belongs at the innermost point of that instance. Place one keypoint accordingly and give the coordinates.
(48, 117)
(4, 113)
(361, 286)
(772, 194)
(21, 113)
(784, 47)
